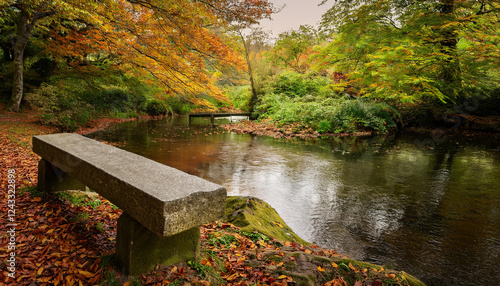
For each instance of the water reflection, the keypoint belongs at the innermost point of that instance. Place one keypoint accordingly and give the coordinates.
(433, 213)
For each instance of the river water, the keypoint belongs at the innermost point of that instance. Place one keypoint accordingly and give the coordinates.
(432, 210)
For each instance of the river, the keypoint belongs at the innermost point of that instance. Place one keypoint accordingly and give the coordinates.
(432, 210)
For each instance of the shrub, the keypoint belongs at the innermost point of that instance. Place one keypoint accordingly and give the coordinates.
(178, 105)
(239, 96)
(294, 85)
(359, 114)
(60, 108)
(332, 114)
(155, 107)
(113, 99)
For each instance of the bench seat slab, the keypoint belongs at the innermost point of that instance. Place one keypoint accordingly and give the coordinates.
(163, 199)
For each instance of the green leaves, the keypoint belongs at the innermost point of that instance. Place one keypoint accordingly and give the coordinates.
(407, 51)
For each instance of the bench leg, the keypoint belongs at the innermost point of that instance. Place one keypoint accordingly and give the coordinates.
(53, 179)
(138, 250)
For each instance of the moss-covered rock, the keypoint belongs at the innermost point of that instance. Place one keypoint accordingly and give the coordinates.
(307, 264)
(252, 214)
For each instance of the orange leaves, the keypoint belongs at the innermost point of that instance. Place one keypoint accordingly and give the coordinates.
(336, 282)
(51, 248)
(175, 44)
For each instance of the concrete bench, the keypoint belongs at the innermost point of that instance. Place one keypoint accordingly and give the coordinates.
(163, 207)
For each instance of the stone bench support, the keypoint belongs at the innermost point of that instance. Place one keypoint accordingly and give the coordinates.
(163, 207)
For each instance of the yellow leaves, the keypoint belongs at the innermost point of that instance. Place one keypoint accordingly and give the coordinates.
(173, 269)
(233, 276)
(335, 265)
(86, 274)
(336, 282)
(321, 269)
(282, 277)
(157, 43)
(352, 267)
(40, 270)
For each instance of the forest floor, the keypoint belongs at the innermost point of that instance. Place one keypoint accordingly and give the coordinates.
(63, 240)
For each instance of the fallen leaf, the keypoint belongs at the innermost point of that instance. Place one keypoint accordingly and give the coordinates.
(352, 267)
(86, 274)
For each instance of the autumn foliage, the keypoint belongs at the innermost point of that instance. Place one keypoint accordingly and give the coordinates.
(177, 44)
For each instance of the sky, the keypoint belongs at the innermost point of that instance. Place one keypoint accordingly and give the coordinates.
(294, 14)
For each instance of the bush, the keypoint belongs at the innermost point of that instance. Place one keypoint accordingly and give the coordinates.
(331, 115)
(239, 96)
(178, 105)
(155, 107)
(358, 114)
(113, 99)
(294, 85)
(60, 108)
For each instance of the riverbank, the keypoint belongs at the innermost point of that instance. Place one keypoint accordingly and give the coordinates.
(64, 240)
(269, 128)
(461, 123)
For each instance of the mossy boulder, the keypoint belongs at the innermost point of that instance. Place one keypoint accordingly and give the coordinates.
(308, 269)
(252, 214)
(307, 264)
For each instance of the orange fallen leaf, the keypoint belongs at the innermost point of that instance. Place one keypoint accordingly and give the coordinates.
(321, 268)
(335, 265)
(86, 274)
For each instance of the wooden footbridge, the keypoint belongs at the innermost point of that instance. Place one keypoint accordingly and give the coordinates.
(213, 115)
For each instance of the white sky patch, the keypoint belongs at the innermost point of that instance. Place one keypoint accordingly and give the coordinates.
(295, 13)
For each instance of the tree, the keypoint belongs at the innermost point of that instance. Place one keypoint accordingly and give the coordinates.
(172, 42)
(27, 18)
(409, 49)
(293, 48)
(254, 43)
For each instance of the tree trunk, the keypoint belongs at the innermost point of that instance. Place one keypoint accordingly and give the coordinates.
(450, 73)
(253, 98)
(23, 34)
